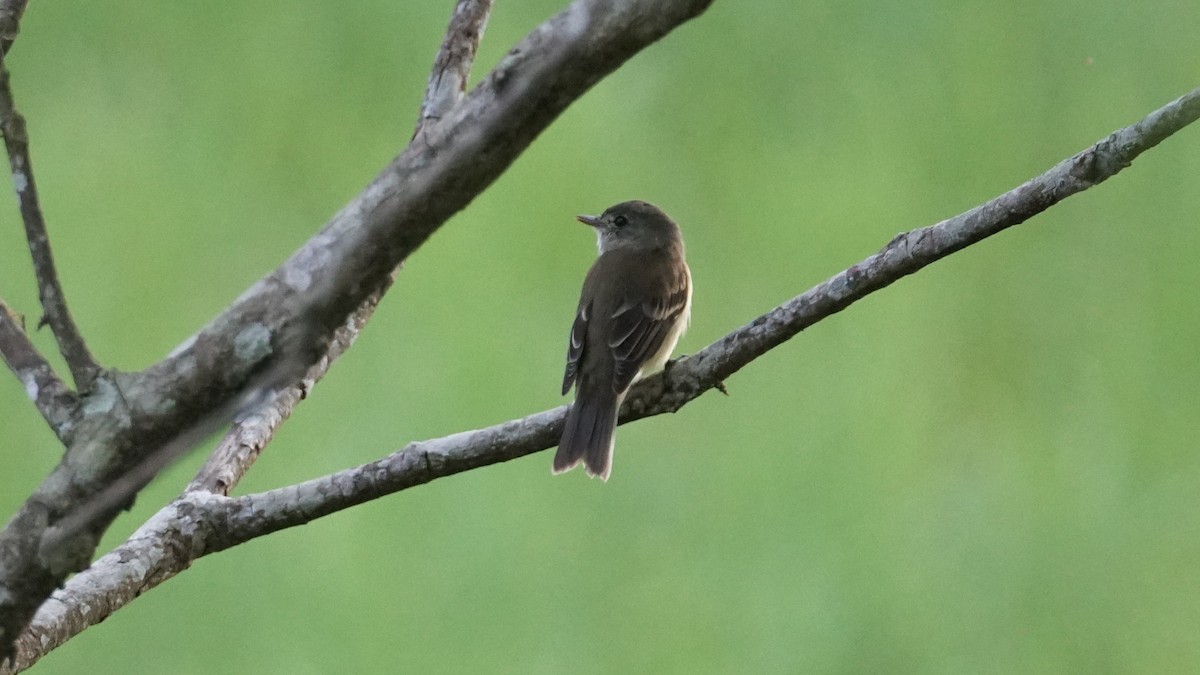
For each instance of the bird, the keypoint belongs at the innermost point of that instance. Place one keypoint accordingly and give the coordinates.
(635, 304)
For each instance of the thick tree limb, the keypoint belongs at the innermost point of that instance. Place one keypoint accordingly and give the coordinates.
(278, 328)
(54, 400)
(54, 304)
(197, 524)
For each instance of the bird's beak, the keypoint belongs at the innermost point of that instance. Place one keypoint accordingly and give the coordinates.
(594, 221)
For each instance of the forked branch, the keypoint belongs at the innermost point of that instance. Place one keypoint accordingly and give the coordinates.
(57, 403)
(54, 304)
(271, 335)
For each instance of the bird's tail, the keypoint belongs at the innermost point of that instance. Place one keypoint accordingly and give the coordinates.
(589, 433)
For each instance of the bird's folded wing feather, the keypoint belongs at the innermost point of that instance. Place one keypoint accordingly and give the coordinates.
(575, 347)
(641, 324)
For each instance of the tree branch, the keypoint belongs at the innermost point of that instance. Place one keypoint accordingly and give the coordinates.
(452, 67)
(197, 524)
(278, 328)
(54, 304)
(10, 22)
(57, 403)
(238, 450)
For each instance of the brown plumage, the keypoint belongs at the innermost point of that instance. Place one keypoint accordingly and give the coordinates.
(634, 306)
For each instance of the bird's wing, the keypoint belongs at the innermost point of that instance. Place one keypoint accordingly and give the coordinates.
(575, 346)
(641, 323)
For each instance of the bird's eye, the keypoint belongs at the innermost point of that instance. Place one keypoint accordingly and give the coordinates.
(620, 221)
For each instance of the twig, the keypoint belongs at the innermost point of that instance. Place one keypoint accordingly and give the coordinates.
(54, 304)
(10, 22)
(452, 67)
(199, 523)
(57, 404)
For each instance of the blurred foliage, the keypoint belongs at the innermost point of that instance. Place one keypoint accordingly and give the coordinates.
(989, 467)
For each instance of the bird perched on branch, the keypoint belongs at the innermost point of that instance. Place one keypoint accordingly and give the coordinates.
(635, 304)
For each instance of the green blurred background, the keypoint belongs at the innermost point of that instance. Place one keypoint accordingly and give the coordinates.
(988, 467)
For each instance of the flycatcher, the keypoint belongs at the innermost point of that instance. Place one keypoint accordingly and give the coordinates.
(635, 305)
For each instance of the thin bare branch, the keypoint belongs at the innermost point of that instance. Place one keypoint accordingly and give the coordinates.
(54, 304)
(54, 400)
(200, 523)
(688, 378)
(10, 22)
(452, 67)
